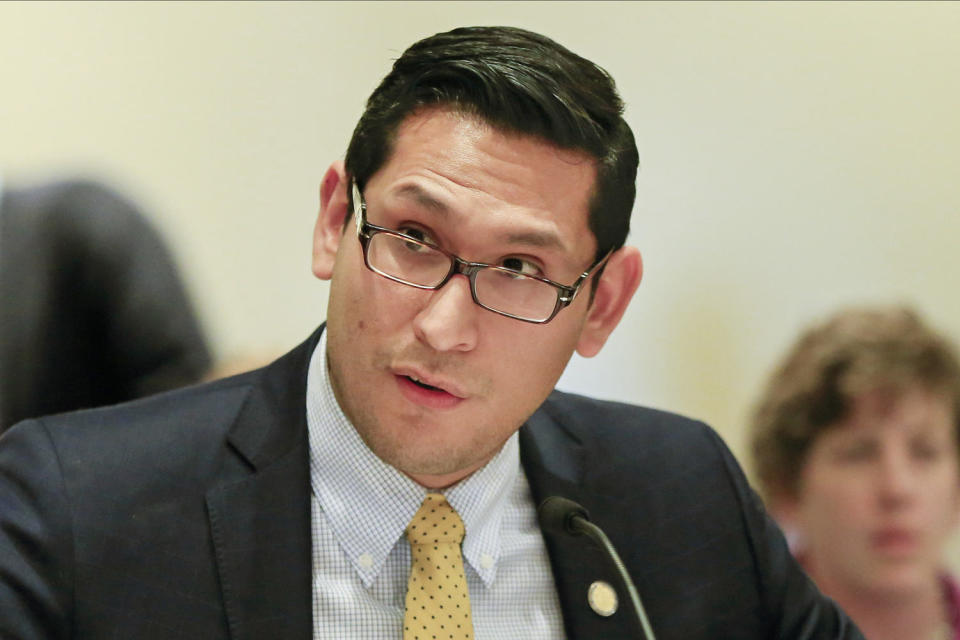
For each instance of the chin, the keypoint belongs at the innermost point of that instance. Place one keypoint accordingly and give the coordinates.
(903, 580)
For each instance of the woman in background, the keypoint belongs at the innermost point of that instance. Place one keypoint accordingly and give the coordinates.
(855, 442)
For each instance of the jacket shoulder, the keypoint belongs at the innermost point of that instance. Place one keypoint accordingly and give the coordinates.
(606, 423)
(158, 432)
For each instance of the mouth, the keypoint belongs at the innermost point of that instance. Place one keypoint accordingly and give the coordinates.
(895, 541)
(428, 381)
(428, 392)
(422, 384)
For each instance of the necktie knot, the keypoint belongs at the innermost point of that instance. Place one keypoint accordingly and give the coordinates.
(436, 522)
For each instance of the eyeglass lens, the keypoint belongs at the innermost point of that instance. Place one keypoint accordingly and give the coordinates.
(419, 264)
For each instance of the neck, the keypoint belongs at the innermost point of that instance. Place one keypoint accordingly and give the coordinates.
(915, 615)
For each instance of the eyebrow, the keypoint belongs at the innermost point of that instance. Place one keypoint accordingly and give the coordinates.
(542, 239)
(424, 199)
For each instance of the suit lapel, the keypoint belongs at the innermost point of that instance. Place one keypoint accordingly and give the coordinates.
(261, 532)
(554, 462)
(261, 523)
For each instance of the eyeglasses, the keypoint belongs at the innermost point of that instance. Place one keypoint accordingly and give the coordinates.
(418, 263)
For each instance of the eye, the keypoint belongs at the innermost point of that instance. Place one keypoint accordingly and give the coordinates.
(417, 234)
(526, 267)
(858, 451)
(925, 449)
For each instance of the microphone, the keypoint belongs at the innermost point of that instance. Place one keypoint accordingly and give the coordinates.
(560, 515)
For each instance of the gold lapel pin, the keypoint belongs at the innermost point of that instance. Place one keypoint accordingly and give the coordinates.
(602, 598)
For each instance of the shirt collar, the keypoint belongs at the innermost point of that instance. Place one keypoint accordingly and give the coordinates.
(369, 503)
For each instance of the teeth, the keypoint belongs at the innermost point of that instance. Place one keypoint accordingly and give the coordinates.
(421, 383)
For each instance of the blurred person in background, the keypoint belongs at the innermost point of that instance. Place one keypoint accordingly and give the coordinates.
(855, 442)
(93, 310)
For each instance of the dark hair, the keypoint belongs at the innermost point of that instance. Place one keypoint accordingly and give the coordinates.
(519, 82)
(853, 353)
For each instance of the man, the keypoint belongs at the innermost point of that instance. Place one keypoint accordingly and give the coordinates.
(474, 239)
(94, 310)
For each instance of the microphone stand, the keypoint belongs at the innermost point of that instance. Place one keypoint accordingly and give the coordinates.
(561, 515)
(596, 534)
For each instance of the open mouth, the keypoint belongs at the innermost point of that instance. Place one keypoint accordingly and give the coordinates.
(423, 385)
(427, 395)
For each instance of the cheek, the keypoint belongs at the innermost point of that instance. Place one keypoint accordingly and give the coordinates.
(545, 358)
(366, 302)
(833, 504)
(828, 524)
(522, 362)
(943, 499)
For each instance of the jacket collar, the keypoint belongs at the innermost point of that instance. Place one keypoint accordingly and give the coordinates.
(273, 419)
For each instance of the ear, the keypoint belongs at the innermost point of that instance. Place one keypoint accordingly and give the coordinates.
(328, 230)
(784, 508)
(955, 516)
(618, 282)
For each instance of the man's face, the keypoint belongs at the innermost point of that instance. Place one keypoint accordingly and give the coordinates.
(486, 197)
(879, 494)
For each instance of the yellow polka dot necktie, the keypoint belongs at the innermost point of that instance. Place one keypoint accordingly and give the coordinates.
(438, 604)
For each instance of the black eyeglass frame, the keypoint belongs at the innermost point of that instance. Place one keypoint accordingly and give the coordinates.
(366, 230)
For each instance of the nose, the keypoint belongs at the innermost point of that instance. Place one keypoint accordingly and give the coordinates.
(448, 322)
(897, 481)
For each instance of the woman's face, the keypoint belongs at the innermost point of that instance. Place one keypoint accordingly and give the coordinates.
(878, 495)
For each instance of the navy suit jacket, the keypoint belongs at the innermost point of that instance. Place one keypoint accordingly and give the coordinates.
(186, 515)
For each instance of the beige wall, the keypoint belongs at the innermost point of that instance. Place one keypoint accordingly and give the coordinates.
(795, 157)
